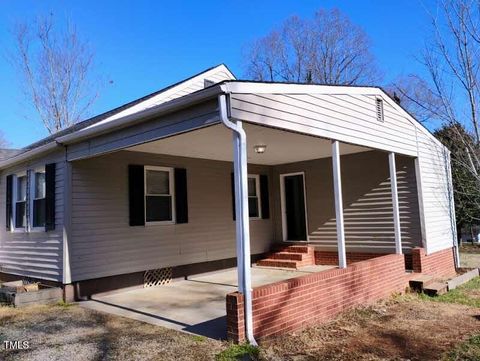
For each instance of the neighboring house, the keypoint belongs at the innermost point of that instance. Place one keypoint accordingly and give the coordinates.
(150, 185)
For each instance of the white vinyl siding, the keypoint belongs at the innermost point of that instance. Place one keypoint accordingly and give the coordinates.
(433, 162)
(347, 118)
(34, 254)
(352, 117)
(367, 200)
(103, 243)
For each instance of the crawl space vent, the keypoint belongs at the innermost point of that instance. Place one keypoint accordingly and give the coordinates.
(157, 277)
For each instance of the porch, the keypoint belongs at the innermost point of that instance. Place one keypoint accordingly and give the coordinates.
(348, 202)
(195, 305)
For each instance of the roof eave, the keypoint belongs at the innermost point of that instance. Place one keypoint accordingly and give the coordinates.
(171, 106)
(164, 108)
(28, 154)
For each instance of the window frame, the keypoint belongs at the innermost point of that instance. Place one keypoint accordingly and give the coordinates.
(258, 196)
(31, 203)
(14, 228)
(171, 188)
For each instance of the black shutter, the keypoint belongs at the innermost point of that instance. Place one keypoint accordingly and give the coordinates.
(181, 199)
(50, 197)
(136, 194)
(233, 196)
(264, 196)
(8, 210)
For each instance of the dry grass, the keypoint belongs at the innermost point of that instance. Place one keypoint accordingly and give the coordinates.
(470, 256)
(74, 333)
(404, 328)
(407, 329)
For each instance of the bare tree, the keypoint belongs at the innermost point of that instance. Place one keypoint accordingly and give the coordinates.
(449, 94)
(328, 49)
(55, 66)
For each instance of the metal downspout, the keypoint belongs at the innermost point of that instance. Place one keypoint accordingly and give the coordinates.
(241, 211)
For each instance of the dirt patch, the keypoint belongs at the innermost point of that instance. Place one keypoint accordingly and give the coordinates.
(470, 248)
(73, 333)
(406, 330)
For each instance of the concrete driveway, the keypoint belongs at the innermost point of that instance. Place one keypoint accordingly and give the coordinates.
(195, 305)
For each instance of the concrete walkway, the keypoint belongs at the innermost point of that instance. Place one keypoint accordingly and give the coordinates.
(196, 305)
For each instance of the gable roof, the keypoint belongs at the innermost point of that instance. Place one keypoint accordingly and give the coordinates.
(220, 80)
(257, 87)
(8, 153)
(194, 83)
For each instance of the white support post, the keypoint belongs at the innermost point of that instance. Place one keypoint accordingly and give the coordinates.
(243, 225)
(241, 211)
(238, 211)
(337, 185)
(396, 209)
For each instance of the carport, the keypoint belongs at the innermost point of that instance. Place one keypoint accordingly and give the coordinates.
(195, 305)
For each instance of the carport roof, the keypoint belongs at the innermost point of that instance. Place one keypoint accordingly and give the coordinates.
(94, 125)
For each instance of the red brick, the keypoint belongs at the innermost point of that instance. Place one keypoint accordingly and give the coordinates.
(292, 304)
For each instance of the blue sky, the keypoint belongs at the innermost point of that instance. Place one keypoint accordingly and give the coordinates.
(143, 46)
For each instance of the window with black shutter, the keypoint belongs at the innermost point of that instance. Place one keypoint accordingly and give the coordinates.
(159, 183)
(157, 195)
(20, 201)
(38, 196)
(50, 179)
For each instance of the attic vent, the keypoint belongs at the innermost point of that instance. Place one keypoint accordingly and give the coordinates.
(207, 83)
(379, 104)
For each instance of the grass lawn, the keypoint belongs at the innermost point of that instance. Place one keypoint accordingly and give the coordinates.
(408, 327)
(470, 255)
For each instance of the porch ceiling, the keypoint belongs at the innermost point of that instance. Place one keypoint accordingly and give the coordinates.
(215, 142)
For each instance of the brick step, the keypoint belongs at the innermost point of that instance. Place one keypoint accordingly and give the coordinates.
(293, 249)
(418, 283)
(435, 289)
(288, 256)
(268, 262)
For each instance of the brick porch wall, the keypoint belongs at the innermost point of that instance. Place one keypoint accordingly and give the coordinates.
(295, 303)
(329, 258)
(440, 264)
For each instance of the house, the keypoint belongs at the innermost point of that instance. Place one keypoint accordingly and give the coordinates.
(207, 172)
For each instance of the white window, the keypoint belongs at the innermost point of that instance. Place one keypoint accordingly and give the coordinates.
(254, 210)
(379, 105)
(159, 197)
(20, 201)
(37, 199)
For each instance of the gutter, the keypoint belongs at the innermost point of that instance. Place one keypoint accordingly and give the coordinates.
(121, 122)
(28, 154)
(143, 115)
(241, 211)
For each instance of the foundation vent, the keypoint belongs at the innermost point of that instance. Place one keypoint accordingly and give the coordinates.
(157, 277)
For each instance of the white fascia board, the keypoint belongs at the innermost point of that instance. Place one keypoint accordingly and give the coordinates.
(28, 154)
(143, 115)
(167, 95)
(284, 88)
